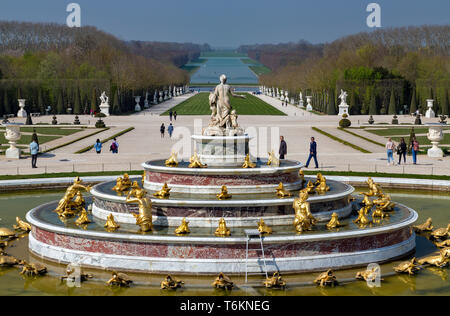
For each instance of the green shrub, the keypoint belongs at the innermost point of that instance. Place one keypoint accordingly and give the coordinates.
(394, 120)
(100, 114)
(345, 122)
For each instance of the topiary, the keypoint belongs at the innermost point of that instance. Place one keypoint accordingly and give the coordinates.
(418, 121)
(100, 114)
(54, 121)
(371, 120)
(345, 122)
(395, 120)
(100, 124)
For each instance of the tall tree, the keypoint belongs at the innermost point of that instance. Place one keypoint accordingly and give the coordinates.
(413, 106)
(6, 104)
(331, 109)
(60, 104)
(41, 105)
(445, 104)
(77, 103)
(352, 106)
(116, 103)
(392, 109)
(94, 102)
(373, 105)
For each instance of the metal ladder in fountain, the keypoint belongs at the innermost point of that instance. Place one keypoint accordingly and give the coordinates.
(254, 233)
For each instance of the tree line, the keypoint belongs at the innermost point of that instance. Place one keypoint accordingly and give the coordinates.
(52, 64)
(381, 70)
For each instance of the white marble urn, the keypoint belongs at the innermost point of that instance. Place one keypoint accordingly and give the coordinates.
(13, 135)
(137, 108)
(430, 113)
(308, 103)
(22, 112)
(435, 136)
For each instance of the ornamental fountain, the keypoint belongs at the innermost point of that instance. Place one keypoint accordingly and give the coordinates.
(200, 217)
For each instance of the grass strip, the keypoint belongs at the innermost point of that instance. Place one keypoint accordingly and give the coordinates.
(365, 138)
(341, 140)
(76, 140)
(69, 175)
(105, 140)
(379, 174)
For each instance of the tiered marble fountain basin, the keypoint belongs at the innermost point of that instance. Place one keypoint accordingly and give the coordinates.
(193, 195)
(201, 252)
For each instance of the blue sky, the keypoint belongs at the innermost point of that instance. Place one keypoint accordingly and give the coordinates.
(230, 23)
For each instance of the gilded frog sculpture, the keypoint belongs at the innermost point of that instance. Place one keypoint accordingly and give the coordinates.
(326, 279)
(119, 279)
(384, 203)
(425, 227)
(410, 267)
(439, 261)
(172, 161)
(164, 193)
(222, 230)
(194, 162)
(263, 228)
(248, 163)
(273, 160)
(281, 192)
(223, 195)
(441, 233)
(222, 282)
(362, 218)
(83, 219)
(334, 221)
(321, 184)
(275, 281)
(183, 228)
(22, 225)
(111, 224)
(171, 283)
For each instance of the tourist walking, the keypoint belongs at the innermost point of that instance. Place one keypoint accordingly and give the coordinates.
(98, 146)
(34, 150)
(312, 153)
(114, 148)
(170, 130)
(283, 147)
(401, 151)
(170, 115)
(175, 115)
(390, 146)
(414, 149)
(162, 129)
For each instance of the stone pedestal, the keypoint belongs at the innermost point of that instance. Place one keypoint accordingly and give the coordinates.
(137, 108)
(435, 136)
(104, 108)
(13, 136)
(343, 109)
(222, 150)
(308, 103)
(430, 113)
(22, 113)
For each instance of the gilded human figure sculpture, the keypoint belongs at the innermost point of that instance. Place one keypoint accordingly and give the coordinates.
(273, 160)
(263, 228)
(303, 218)
(111, 224)
(134, 188)
(248, 163)
(222, 230)
(22, 225)
(144, 218)
(384, 203)
(374, 189)
(183, 228)
(171, 283)
(164, 193)
(222, 282)
(334, 221)
(366, 201)
(410, 267)
(172, 161)
(275, 281)
(79, 200)
(425, 227)
(67, 205)
(321, 184)
(281, 192)
(83, 219)
(223, 119)
(223, 195)
(194, 162)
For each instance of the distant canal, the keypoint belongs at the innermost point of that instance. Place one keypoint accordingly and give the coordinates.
(237, 72)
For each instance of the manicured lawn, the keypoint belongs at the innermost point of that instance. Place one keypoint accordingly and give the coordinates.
(423, 140)
(49, 130)
(397, 131)
(260, 70)
(26, 139)
(249, 61)
(199, 105)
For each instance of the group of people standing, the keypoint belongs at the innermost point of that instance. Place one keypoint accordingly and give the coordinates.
(170, 128)
(402, 150)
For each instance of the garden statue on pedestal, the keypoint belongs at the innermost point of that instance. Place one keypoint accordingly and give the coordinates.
(223, 120)
(430, 113)
(104, 106)
(300, 101)
(343, 107)
(137, 108)
(308, 103)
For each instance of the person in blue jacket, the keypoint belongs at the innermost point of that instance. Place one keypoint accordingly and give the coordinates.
(170, 130)
(34, 150)
(98, 146)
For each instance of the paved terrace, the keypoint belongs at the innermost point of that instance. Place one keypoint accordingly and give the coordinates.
(145, 143)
